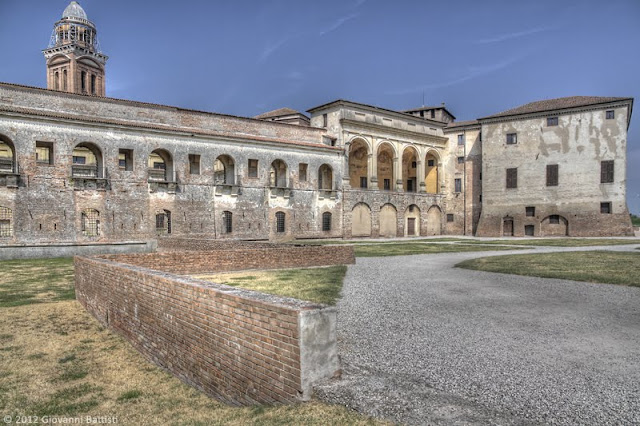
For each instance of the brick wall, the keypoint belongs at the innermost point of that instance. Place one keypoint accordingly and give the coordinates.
(198, 244)
(239, 346)
(236, 259)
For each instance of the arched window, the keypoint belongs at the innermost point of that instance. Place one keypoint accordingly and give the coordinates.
(160, 166)
(278, 176)
(227, 222)
(87, 161)
(358, 164)
(326, 221)
(280, 225)
(6, 222)
(7, 154)
(224, 170)
(385, 167)
(90, 224)
(432, 178)
(325, 178)
(163, 222)
(409, 169)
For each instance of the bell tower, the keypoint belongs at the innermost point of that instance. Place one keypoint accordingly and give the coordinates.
(75, 63)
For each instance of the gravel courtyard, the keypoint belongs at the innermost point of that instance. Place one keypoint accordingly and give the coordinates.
(422, 342)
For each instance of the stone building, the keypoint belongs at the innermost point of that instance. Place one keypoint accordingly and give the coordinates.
(78, 169)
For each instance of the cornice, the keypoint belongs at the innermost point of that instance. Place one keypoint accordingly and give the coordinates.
(393, 131)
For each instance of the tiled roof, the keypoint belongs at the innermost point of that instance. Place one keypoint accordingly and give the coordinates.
(557, 104)
(277, 113)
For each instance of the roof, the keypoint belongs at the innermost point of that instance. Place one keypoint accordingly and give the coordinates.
(456, 124)
(557, 104)
(428, 108)
(74, 10)
(278, 113)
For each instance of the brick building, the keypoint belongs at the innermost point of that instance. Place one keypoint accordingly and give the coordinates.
(78, 168)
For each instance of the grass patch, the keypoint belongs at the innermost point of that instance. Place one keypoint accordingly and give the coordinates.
(559, 242)
(403, 249)
(61, 362)
(24, 282)
(591, 266)
(319, 285)
(635, 220)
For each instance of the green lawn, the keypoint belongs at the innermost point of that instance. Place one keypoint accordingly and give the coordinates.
(320, 285)
(56, 360)
(591, 266)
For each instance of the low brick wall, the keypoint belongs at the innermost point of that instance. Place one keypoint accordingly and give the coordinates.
(198, 244)
(239, 346)
(222, 260)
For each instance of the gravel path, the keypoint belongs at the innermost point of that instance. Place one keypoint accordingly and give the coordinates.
(422, 342)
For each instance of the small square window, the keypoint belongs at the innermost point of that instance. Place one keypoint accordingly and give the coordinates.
(253, 168)
(460, 160)
(449, 217)
(125, 159)
(530, 211)
(194, 164)
(431, 163)
(611, 114)
(44, 153)
(552, 121)
(460, 140)
(605, 208)
(529, 230)
(302, 172)
(414, 164)
(512, 138)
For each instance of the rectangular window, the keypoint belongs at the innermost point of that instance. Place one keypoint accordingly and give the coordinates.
(552, 175)
(460, 160)
(194, 164)
(458, 185)
(125, 159)
(159, 165)
(433, 113)
(530, 211)
(480, 175)
(606, 171)
(326, 221)
(302, 172)
(44, 153)
(449, 217)
(325, 120)
(431, 163)
(414, 164)
(512, 178)
(611, 114)
(552, 121)
(512, 138)
(387, 184)
(253, 168)
(363, 182)
(529, 230)
(78, 159)
(279, 222)
(605, 208)
(460, 140)
(227, 222)
(410, 185)
(554, 219)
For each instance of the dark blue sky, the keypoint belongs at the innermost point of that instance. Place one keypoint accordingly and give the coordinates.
(248, 57)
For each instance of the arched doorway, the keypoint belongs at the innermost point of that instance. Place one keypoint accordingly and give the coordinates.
(361, 220)
(554, 226)
(224, 170)
(409, 169)
(432, 178)
(160, 166)
(358, 164)
(434, 221)
(278, 177)
(412, 221)
(388, 221)
(385, 167)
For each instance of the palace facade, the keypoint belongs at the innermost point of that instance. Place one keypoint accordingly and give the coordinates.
(80, 169)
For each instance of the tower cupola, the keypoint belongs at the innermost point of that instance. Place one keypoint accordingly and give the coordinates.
(75, 62)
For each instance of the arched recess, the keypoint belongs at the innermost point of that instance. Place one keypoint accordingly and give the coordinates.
(87, 161)
(7, 155)
(554, 226)
(278, 176)
(388, 221)
(224, 170)
(410, 169)
(412, 221)
(434, 221)
(325, 178)
(160, 164)
(507, 226)
(384, 160)
(6, 222)
(432, 173)
(358, 164)
(361, 220)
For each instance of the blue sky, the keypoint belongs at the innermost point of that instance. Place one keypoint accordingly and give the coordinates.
(248, 57)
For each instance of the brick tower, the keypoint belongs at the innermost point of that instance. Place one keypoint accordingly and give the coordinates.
(74, 61)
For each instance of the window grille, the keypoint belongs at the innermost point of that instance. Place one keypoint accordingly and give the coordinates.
(91, 223)
(552, 121)
(606, 171)
(512, 178)
(6, 222)
(326, 221)
(552, 175)
(512, 138)
(163, 222)
(227, 222)
(279, 222)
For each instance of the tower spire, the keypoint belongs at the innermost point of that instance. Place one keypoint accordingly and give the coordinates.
(75, 63)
